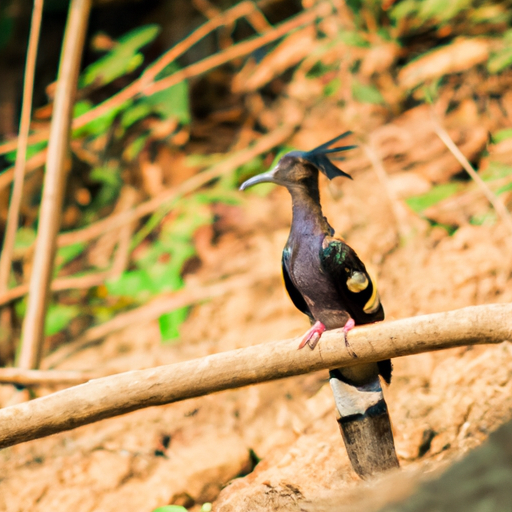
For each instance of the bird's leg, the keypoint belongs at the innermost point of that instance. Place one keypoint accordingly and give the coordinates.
(346, 328)
(313, 335)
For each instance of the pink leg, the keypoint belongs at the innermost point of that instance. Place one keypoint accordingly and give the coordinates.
(313, 335)
(346, 328)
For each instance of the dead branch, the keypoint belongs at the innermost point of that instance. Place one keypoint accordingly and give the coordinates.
(496, 203)
(31, 378)
(54, 183)
(237, 50)
(119, 394)
(19, 167)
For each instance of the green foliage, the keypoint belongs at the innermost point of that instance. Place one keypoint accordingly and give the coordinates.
(59, 316)
(25, 237)
(122, 59)
(496, 171)
(68, 253)
(435, 195)
(31, 151)
(170, 508)
(502, 135)
(502, 58)
(159, 268)
(366, 93)
(331, 88)
(100, 125)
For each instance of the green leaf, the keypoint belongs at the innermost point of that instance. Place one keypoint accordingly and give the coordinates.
(332, 87)
(172, 102)
(99, 125)
(136, 284)
(354, 38)
(502, 135)
(170, 323)
(25, 237)
(135, 113)
(32, 150)
(122, 59)
(68, 253)
(170, 508)
(504, 188)
(496, 171)
(135, 147)
(58, 317)
(432, 197)
(366, 93)
(500, 61)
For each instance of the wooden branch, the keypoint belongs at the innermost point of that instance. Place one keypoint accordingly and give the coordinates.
(119, 394)
(31, 378)
(19, 167)
(54, 184)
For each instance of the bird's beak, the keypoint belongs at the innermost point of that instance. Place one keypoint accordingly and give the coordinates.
(266, 177)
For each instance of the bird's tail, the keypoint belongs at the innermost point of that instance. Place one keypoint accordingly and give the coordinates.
(363, 419)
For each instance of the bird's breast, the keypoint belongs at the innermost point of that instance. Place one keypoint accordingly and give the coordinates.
(314, 285)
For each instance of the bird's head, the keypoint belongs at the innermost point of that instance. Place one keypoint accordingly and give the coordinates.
(300, 167)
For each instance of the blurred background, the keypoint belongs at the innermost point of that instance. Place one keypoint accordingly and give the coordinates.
(160, 259)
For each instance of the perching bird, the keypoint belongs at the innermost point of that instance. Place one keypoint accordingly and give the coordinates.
(329, 283)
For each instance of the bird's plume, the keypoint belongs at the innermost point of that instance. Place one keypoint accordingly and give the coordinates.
(318, 157)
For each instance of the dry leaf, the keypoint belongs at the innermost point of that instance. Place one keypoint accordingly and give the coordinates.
(291, 51)
(459, 56)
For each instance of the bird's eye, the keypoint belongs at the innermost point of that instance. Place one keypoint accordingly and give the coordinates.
(357, 282)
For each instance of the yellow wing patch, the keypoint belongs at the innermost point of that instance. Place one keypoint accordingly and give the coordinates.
(373, 302)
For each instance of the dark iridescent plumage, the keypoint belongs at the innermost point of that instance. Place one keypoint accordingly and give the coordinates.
(328, 282)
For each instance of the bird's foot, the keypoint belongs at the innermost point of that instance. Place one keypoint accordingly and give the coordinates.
(346, 328)
(312, 337)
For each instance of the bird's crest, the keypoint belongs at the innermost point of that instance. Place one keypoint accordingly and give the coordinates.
(318, 157)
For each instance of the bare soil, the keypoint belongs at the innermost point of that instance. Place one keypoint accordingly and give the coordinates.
(441, 404)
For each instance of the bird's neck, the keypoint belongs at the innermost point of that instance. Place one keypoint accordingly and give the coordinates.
(307, 212)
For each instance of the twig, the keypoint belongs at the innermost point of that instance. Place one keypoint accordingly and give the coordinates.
(53, 188)
(119, 394)
(31, 378)
(122, 255)
(237, 50)
(19, 167)
(498, 205)
(152, 311)
(59, 284)
(33, 163)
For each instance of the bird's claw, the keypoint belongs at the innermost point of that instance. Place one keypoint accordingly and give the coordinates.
(313, 335)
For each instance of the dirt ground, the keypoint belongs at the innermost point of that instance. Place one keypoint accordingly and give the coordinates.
(278, 443)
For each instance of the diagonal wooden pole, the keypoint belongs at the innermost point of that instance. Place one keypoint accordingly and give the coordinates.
(54, 184)
(118, 394)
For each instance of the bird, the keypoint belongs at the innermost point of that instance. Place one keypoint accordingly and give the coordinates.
(328, 282)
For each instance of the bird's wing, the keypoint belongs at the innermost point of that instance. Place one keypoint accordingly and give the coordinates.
(358, 294)
(295, 295)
